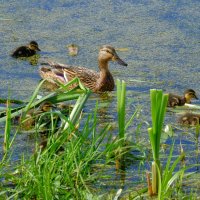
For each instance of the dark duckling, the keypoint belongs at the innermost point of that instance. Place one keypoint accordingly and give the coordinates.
(26, 51)
(176, 100)
(189, 119)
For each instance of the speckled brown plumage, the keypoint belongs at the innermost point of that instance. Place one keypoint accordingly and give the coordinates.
(97, 81)
(176, 100)
(189, 119)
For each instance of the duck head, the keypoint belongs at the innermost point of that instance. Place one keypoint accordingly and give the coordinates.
(46, 106)
(34, 46)
(108, 53)
(190, 94)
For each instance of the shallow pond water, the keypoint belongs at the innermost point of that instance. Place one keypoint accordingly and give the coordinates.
(161, 39)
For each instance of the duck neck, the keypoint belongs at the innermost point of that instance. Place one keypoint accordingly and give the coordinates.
(105, 76)
(31, 48)
(103, 67)
(105, 81)
(187, 99)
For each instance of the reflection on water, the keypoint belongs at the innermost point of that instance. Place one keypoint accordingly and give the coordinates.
(162, 38)
(33, 60)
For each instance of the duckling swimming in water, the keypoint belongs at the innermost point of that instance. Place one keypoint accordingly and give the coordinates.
(176, 100)
(26, 51)
(73, 49)
(189, 119)
(96, 81)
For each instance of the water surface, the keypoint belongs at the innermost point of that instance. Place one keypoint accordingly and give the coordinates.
(162, 38)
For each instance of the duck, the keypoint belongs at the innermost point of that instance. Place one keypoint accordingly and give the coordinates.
(28, 121)
(192, 119)
(176, 100)
(96, 81)
(26, 51)
(73, 49)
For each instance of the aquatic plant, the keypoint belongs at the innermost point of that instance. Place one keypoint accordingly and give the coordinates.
(123, 124)
(158, 109)
(163, 178)
(64, 93)
(55, 172)
(64, 166)
(121, 105)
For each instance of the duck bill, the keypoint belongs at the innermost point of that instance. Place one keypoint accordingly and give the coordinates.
(195, 97)
(119, 60)
(37, 48)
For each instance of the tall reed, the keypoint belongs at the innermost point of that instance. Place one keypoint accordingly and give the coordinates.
(121, 105)
(158, 109)
(121, 109)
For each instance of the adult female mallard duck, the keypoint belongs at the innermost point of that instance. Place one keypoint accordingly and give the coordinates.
(96, 81)
(26, 51)
(175, 100)
(189, 119)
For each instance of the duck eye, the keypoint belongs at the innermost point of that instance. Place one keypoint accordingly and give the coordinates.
(109, 52)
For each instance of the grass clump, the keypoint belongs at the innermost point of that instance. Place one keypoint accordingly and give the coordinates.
(63, 166)
(55, 172)
(72, 160)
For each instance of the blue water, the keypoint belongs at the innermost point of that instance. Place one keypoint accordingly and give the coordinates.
(162, 38)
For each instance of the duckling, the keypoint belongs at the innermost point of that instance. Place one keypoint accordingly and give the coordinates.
(96, 81)
(73, 49)
(175, 100)
(26, 51)
(29, 120)
(46, 106)
(189, 119)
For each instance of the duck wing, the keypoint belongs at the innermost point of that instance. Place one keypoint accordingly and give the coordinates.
(64, 73)
(175, 100)
(20, 52)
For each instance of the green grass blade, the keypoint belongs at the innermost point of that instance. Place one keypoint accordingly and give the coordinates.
(153, 97)
(7, 129)
(152, 141)
(77, 109)
(121, 97)
(34, 95)
(132, 117)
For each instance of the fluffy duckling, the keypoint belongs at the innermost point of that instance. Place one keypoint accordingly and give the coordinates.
(97, 81)
(29, 120)
(175, 100)
(189, 119)
(73, 49)
(26, 51)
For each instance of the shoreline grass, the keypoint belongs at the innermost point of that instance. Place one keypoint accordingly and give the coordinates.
(66, 167)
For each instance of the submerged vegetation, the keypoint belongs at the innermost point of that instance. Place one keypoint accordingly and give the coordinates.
(75, 153)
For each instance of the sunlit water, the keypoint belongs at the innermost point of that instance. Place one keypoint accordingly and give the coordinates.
(161, 37)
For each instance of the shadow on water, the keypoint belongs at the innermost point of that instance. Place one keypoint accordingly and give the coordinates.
(161, 38)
